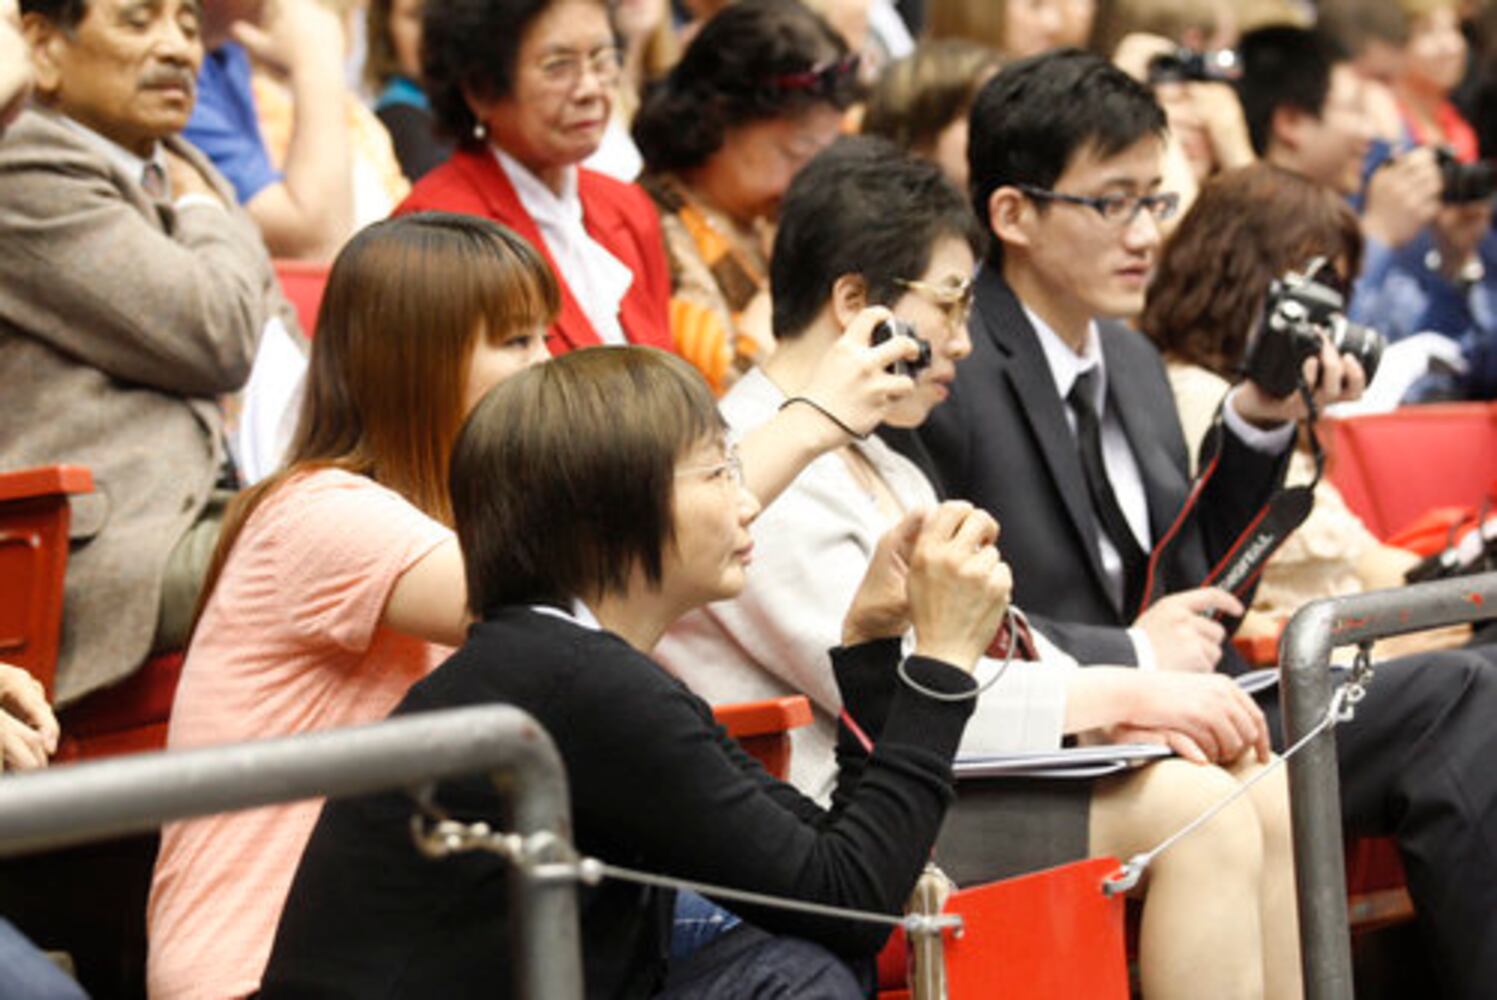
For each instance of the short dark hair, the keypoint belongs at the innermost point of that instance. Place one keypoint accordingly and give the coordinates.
(862, 206)
(728, 77)
(1284, 67)
(1031, 120)
(65, 14)
(471, 46)
(563, 476)
(1248, 226)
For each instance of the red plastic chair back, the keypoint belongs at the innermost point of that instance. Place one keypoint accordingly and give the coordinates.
(763, 728)
(34, 519)
(34, 515)
(1393, 467)
(1040, 936)
(303, 283)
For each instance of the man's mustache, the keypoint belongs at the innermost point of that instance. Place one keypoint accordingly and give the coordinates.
(171, 77)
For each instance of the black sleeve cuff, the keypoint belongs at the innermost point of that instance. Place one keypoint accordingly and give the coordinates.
(915, 718)
(865, 677)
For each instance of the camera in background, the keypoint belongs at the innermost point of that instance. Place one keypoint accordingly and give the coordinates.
(1462, 183)
(899, 328)
(1192, 66)
(1299, 311)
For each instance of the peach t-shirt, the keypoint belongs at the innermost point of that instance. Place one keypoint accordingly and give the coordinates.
(290, 642)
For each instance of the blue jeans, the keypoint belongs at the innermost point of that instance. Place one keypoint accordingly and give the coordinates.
(26, 972)
(698, 921)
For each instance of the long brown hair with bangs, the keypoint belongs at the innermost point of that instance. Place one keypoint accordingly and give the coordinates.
(406, 301)
(1248, 227)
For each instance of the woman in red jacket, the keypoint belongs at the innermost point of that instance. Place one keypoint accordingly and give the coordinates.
(526, 87)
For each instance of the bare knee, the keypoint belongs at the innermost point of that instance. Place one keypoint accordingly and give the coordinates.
(1231, 843)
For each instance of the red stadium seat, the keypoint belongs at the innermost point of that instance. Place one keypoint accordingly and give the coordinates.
(34, 519)
(763, 728)
(303, 283)
(1394, 467)
(1040, 936)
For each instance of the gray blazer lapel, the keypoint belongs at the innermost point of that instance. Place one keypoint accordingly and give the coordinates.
(1042, 409)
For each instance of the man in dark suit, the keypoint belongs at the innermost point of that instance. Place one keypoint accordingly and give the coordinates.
(1065, 154)
(1076, 229)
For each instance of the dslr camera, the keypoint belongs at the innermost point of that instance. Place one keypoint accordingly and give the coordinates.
(1462, 183)
(899, 328)
(1192, 66)
(1299, 311)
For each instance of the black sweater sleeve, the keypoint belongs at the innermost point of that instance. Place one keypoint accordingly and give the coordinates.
(651, 776)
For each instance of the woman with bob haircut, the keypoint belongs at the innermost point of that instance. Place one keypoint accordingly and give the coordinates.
(1249, 227)
(525, 88)
(337, 582)
(758, 92)
(596, 501)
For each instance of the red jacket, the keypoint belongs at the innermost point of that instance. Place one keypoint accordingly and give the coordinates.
(619, 216)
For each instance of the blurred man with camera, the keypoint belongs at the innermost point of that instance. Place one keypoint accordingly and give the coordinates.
(1062, 425)
(1424, 214)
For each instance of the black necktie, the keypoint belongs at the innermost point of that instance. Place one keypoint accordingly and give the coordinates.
(1109, 513)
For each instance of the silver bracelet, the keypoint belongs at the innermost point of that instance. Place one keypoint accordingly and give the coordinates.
(1011, 618)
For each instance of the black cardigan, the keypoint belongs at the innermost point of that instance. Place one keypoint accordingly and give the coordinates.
(655, 784)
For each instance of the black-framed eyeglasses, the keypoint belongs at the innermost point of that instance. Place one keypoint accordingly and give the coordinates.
(1115, 209)
(823, 80)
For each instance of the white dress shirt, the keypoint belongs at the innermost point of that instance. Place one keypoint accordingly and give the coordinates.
(1123, 474)
(598, 280)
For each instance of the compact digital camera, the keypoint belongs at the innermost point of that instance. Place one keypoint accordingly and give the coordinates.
(1299, 311)
(899, 328)
(1190, 65)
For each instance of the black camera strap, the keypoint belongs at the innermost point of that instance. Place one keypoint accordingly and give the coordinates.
(1286, 509)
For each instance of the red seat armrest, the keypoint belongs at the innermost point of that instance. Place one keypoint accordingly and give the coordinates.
(759, 718)
(47, 480)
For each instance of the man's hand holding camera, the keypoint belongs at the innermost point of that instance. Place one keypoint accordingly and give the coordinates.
(1335, 378)
(1305, 350)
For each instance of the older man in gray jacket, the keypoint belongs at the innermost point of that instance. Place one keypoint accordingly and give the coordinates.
(131, 301)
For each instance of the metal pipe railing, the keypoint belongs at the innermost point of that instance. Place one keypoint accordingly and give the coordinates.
(77, 803)
(1314, 786)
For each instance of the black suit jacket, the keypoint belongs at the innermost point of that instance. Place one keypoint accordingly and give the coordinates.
(1002, 441)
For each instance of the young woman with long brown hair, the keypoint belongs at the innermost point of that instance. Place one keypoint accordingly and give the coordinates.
(337, 582)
